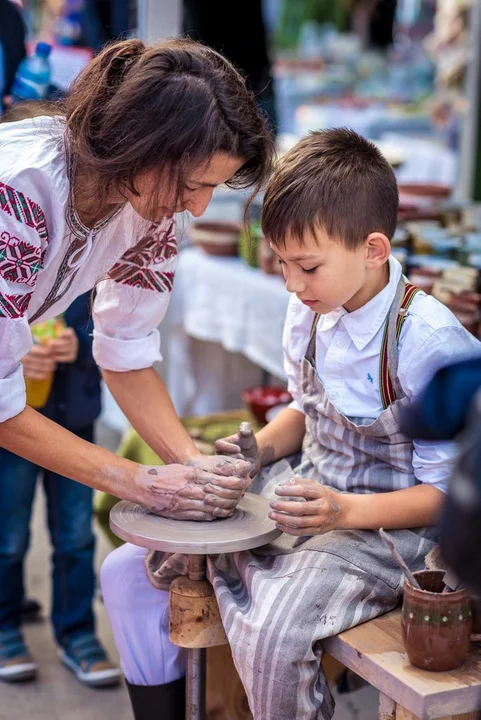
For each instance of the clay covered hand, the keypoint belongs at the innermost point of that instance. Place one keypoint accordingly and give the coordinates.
(319, 511)
(242, 445)
(205, 489)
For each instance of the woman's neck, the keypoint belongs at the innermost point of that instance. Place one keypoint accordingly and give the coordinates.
(87, 198)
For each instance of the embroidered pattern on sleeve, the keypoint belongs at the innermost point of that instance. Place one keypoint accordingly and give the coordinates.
(20, 261)
(138, 266)
(26, 211)
(14, 306)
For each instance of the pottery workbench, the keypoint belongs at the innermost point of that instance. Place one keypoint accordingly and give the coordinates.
(375, 651)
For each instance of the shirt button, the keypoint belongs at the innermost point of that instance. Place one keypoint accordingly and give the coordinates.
(334, 396)
(340, 344)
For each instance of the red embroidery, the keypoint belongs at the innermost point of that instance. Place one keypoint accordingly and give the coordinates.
(135, 266)
(14, 306)
(26, 211)
(19, 261)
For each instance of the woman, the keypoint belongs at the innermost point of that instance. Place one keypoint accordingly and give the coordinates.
(88, 200)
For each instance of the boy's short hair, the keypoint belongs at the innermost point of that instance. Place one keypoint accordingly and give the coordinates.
(335, 180)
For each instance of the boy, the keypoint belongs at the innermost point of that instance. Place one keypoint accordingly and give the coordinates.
(359, 344)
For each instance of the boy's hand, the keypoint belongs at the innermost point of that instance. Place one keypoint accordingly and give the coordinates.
(65, 347)
(320, 512)
(243, 446)
(38, 363)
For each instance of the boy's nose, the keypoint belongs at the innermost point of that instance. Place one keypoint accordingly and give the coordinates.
(294, 283)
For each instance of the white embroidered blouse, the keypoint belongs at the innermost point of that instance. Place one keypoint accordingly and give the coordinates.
(48, 258)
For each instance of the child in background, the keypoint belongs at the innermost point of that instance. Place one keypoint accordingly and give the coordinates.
(359, 343)
(74, 403)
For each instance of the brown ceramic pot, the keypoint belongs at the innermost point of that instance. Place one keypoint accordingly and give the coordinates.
(436, 626)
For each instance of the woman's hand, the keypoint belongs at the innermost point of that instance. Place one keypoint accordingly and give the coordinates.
(242, 445)
(38, 363)
(318, 510)
(206, 489)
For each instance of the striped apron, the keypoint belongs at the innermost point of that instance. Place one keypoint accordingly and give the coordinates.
(280, 601)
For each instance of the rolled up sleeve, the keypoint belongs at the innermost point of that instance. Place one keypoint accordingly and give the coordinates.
(132, 301)
(433, 460)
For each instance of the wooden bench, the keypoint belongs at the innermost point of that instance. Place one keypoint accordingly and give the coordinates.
(375, 651)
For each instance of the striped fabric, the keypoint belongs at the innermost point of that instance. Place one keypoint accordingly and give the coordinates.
(280, 601)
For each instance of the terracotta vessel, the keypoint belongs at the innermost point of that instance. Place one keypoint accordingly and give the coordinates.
(436, 626)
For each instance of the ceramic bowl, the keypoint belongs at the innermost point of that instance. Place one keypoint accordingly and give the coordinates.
(261, 399)
(216, 238)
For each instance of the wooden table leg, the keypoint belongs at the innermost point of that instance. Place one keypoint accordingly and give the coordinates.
(387, 708)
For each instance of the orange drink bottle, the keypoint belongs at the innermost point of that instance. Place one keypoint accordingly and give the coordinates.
(39, 390)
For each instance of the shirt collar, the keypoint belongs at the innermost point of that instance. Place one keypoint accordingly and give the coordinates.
(363, 324)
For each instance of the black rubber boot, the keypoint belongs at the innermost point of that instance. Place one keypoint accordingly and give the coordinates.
(150, 702)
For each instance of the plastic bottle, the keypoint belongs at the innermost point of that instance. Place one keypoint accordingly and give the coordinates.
(68, 27)
(33, 75)
(38, 391)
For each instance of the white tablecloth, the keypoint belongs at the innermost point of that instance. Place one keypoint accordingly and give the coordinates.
(225, 326)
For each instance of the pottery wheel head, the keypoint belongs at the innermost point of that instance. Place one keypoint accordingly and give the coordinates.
(249, 527)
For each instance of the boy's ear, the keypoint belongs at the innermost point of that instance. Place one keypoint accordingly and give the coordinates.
(378, 249)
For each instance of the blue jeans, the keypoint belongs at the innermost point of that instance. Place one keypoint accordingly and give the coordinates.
(69, 514)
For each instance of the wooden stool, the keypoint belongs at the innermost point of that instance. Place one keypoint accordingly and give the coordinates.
(375, 651)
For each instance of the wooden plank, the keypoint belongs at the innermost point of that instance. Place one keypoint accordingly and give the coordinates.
(375, 651)
(402, 714)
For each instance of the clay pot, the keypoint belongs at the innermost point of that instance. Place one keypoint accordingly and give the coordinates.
(216, 237)
(436, 626)
(267, 259)
(476, 610)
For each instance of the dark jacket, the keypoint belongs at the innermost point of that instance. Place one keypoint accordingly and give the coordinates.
(450, 408)
(74, 401)
(12, 39)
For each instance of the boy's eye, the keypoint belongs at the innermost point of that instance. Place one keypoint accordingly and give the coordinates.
(308, 271)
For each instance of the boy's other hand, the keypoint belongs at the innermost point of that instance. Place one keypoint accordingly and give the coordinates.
(38, 363)
(243, 446)
(65, 347)
(320, 512)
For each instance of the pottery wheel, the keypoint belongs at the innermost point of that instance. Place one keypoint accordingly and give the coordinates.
(248, 527)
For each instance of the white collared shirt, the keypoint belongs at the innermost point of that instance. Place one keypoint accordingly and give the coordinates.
(348, 347)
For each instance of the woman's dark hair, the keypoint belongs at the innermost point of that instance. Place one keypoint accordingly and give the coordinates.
(174, 104)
